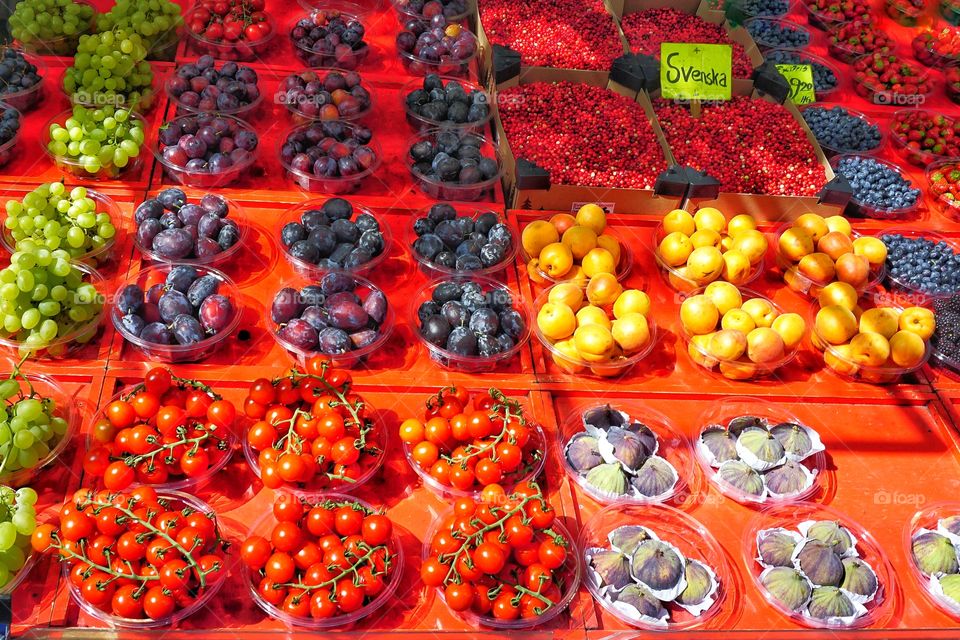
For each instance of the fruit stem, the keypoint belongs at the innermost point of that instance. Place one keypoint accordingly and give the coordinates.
(183, 383)
(361, 424)
(522, 590)
(351, 570)
(194, 443)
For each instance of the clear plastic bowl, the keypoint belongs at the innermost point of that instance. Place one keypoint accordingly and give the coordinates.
(848, 369)
(888, 98)
(75, 168)
(403, 11)
(66, 408)
(178, 501)
(421, 124)
(331, 184)
(833, 151)
(912, 293)
(804, 284)
(673, 447)
(244, 50)
(509, 482)
(679, 282)
(784, 24)
(28, 564)
(623, 266)
(348, 360)
(99, 99)
(788, 516)
(903, 15)
(949, 207)
(330, 61)
(684, 532)
(471, 364)
(95, 257)
(928, 518)
(917, 157)
(65, 345)
(377, 437)
(748, 10)
(206, 179)
(184, 483)
(822, 20)
(721, 413)
(571, 573)
(264, 525)
(8, 148)
(63, 45)
(440, 190)
(183, 109)
(236, 213)
(447, 66)
(862, 209)
(151, 275)
(26, 99)
(434, 270)
(844, 53)
(300, 117)
(803, 57)
(314, 272)
(571, 365)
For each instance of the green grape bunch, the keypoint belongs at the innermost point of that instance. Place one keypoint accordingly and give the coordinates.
(50, 26)
(54, 218)
(110, 69)
(44, 296)
(156, 21)
(18, 520)
(98, 141)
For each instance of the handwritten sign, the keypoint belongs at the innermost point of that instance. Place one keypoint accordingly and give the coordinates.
(696, 71)
(800, 79)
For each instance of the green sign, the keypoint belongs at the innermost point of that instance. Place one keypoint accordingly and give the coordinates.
(800, 79)
(696, 71)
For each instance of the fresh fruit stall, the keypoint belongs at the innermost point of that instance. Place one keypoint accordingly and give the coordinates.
(472, 318)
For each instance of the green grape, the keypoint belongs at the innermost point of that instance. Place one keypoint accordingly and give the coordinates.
(24, 522)
(26, 496)
(8, 535)
(88, 140)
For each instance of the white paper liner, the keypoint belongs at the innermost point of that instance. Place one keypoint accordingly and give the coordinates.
(920, 532)
(837, 621)
(763, 533)
(936, 589)
(864, 599)
(808, 475)
(763, 574)
(804, 526)
(593, 577)
(664, 595)
(704, 450)
(633, 614)
(628, 528)
(747, 456)
(711, 597)
(816, 444)
(740, 495)
(632, 490)
(942, 530)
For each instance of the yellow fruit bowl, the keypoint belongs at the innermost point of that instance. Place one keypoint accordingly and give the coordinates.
(742, 336)
(694, 250)
(879, 344)
(604, 340)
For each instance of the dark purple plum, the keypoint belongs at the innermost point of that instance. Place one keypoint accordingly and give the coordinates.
(364, 338)
(133, 323)
(287, 305)
(300, 334)
(348, 316)
(202, 288)
(462, 342)
(130, 299)
(316, 316)
(180, 278)
(336, 282)
(216, 311)
(206, 248)
(173, 243)
(148, 209)
(173, 304)
(147, 231)
(376, 306)
(333, 341)
(156, 333)
(186, 329)
(436, 330)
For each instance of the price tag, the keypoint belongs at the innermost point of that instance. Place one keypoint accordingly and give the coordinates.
(606, 206)
(800, 79)
(696, 71)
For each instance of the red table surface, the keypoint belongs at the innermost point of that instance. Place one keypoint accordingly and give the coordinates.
(890, 449)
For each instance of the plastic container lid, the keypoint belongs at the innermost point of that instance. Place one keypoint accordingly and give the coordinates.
(264, 524)
(570, 573)
(537, 443)
(672, 447)
(681, 283)
(788, 516)
(66, 408)
(178, 501)
(184, 483)
(611, 369)
(73, 340)
(440, 190)
(315, 272)
(423, 124)
(328, 184)
(784, 25)
(928, 518)
(151, 275)
(743, 369)
(94, 257)
(434, 270)
(859, 208)
(720, 414)
(206, 179)
(74, 167)
(236, 213)
(350, 359)
(688, 535)
(471, 364)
